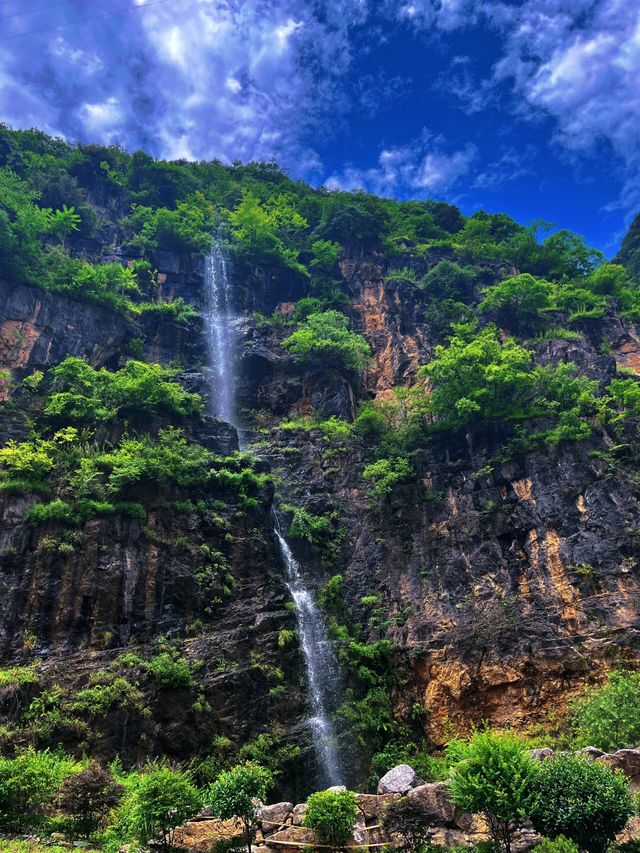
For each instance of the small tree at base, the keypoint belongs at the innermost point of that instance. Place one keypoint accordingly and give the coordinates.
(89, 795)
(583, 800)
(331, 815)
(495, 775)
(162, 800)
(410, 820)
(236, 793)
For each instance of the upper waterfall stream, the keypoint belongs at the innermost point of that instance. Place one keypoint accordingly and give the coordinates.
(320, 663)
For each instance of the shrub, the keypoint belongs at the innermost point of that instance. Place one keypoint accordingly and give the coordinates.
(518, 302)
(411, 820)
(163, 799)
(326, 337)
(89, 796)
(608, 716)
(581, 799)
(236, 792)
(494, 774)
(331, 815)
(557, 845)
(28, 784)
(384, 474)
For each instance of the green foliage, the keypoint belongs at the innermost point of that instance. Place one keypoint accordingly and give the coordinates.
(518, 302)
(19, 676)
(234, 794)
(581, 799)
(81, 394)
(608, 716)
(494, 774)
(187, 228)
(448, 280)
(161, 800)
(560, 844)
(28, 783)
(88, 796)
(326, 337)
(385, 474)
(331, 815)
(170, 669)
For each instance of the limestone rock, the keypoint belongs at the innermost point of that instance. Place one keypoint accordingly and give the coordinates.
(373, 806)
(298, 813)
(627, 760)
(591, 752)
(274, 816)
(199, 836)
(436, 801)
(541, 754)
(399, 780)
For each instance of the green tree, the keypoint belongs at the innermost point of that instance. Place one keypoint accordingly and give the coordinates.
(608, 716)
(64, 222)
(581, 799)
(332, 815)
(89, 796)
(518, 302)
(326, 336)
(447, 280)
(237, 792)
(28, 784)
(161, 801)
(494, 774)
(384, 474)
(477, 375)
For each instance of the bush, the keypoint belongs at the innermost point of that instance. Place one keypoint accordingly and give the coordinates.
(608, 716)
(581, 799)
(385, 474)
(89, 796)
(494, 774)
(557, 845)
(331, 815)
(518, 302)
(28, 784)
(411, 820)
(161, 801)
(326, 337)
(235, 794)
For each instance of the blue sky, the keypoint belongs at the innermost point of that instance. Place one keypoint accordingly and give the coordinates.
(531, 107)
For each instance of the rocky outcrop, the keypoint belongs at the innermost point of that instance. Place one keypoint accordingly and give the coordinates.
(399, 780)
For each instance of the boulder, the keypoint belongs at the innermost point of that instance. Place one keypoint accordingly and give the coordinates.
(199, 836)
(627, 760)
(274, 816)
(399, 780)
(337, 788)
(541, 754)
(436, 801)
(298, 813)
(296, 834)
(591, 752)
(373, 806)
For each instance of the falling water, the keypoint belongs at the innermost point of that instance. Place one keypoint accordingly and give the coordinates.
(320, 663)
(219, 331)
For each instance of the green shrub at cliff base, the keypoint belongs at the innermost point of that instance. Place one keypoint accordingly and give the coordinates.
(326, 337)
(608, 716)
(89, 796)
(28, 784)
(156, 802)
(332, 815)
(494, 774)
(581, 799)
(236, 794)
(560, 844)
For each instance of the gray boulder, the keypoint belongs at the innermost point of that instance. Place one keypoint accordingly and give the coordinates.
(399, 780)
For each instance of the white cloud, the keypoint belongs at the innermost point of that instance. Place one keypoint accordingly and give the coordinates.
(420, 168)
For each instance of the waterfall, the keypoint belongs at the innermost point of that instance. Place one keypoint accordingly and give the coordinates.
(218, 321)
(320, 662)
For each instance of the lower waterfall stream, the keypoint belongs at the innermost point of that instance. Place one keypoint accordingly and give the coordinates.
(320, 662)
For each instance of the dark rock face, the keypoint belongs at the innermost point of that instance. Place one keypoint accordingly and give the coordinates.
(506, 587)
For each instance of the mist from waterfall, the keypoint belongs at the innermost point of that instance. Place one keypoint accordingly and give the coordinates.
(320, 663)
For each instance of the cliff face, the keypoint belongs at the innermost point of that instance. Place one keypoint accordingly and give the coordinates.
(504, 586)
